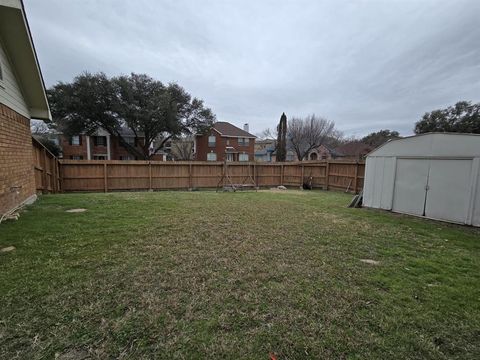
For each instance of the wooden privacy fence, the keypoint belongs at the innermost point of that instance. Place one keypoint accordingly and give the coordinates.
(111, 175)
(46, 168)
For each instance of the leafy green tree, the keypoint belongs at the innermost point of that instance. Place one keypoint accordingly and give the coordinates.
(378, 138)
(282, 139)
(153, 111)
(464, 117)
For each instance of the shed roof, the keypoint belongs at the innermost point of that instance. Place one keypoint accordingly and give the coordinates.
(431, 145)
(17, 39)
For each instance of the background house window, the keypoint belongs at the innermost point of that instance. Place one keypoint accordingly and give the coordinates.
(211, 156)
(126, 157)
(76, 157)
(99, 157)
(130, 140)
(211, 141)
(75, 140)
(100, 141)
(243, 141)
(242, 157)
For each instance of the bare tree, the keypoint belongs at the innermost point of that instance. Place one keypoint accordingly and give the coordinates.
(306, 134)
(267, 134)
(182, 149)
(38, 127)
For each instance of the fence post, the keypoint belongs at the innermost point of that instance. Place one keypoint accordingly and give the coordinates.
(54, 176)
(355, 180)
(303, 174)
(281, 174)
(105, 184)
(44, 171)
(327, 174)
(190, 180)
(150, 176)
(57, 177)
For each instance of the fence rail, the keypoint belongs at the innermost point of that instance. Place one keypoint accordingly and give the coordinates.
(46, 168)
(113, 175)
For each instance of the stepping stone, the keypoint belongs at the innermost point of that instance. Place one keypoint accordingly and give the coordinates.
(7, 249)
(370, 261)
(76, 210)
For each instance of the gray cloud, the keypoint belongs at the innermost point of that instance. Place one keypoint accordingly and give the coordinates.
(365, 64)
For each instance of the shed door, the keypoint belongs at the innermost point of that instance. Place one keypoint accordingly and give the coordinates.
(448, 190)
(410, 186)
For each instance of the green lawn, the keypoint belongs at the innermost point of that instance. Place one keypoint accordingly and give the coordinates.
(235, 275)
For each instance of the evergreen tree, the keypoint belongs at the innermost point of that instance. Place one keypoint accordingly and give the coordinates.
(282, 139)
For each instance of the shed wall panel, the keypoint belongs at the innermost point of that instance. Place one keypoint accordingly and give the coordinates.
(369, 183)
(388, 183)
(378, 176)
(410, 183)
(475, 207)
(448, 190)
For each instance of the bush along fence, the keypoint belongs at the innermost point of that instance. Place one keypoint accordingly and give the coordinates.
(116, 175)
(46, 169)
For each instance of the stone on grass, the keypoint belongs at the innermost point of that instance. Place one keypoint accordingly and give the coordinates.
(73, 354)
(281, 187)
(76, 210)
(370, 261)
(7, 249)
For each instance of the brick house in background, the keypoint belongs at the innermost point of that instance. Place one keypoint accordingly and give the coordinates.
(22, 97)
(102, 146)
(323, 152)
(225, 141)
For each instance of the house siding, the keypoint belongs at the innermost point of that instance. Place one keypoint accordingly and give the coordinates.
(17, 178)
(10, 93)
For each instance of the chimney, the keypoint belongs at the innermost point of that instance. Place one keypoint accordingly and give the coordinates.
(245, 127)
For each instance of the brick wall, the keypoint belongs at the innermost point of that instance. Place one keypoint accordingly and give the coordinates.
(17, 179)
(73, 150)
(221, 143)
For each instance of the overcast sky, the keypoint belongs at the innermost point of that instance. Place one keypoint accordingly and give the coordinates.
(367, 65)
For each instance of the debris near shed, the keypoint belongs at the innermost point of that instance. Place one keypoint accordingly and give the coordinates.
(356, 201)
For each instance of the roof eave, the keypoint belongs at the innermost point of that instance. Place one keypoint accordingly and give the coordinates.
(17, 39)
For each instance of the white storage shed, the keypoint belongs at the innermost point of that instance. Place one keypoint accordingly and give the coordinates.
(434, 175)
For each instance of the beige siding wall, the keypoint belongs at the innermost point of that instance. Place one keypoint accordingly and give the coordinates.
(10, 93)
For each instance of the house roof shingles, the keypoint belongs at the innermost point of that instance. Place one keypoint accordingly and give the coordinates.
(227, 129)
(354, 148)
